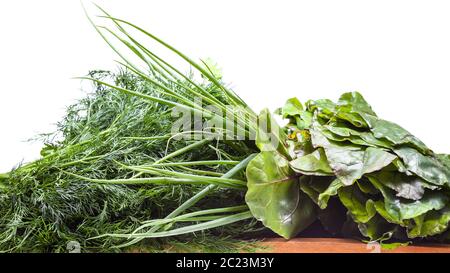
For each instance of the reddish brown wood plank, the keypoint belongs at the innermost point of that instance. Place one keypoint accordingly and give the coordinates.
(335, 245)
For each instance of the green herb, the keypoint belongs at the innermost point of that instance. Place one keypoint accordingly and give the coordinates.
(45, 204)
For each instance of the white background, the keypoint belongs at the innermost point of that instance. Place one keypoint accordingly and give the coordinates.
(397, 53)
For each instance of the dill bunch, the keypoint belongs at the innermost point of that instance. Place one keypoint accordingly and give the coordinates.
(43, 206)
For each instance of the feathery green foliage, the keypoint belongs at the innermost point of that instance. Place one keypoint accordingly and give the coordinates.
(43, 206)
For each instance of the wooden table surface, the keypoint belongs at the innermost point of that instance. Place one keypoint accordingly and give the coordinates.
(335, 245)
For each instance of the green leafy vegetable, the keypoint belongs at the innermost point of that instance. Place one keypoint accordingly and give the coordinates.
(274, 195)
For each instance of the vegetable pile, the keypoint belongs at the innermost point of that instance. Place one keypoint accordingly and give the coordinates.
(115, 176)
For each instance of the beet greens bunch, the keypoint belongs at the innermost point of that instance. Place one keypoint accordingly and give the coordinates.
(358, 174)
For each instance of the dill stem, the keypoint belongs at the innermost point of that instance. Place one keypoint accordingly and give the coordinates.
(201, 172)
(183, 150)
(203, 215)
(82, 160)
(148, 138)
(196, 163)
(178, 152)
(234, 183)
(162, 180)
(187, 229)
